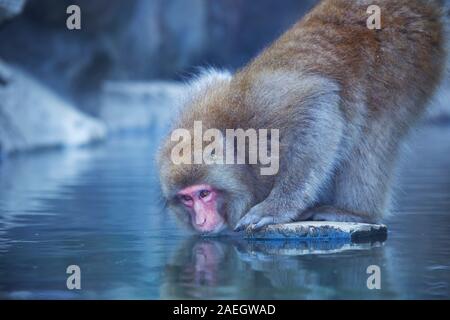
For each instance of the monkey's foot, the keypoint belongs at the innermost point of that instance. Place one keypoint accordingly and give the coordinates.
(329, 213)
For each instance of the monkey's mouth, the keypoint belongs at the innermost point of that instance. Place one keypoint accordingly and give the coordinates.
(216, 231)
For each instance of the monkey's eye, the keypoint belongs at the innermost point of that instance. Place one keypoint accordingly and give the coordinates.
(204, 193)
(186, 198)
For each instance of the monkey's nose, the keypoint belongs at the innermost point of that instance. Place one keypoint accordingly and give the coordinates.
(200, 222)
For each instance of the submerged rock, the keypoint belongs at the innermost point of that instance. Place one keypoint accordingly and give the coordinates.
(321, 231)
(31, 116)
(262, 250)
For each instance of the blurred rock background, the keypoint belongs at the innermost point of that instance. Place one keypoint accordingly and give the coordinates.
(119, 71)
(106, 69)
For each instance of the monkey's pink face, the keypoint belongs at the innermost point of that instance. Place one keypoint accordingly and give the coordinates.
(201, 203)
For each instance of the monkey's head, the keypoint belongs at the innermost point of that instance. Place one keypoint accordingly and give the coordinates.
(207, 198)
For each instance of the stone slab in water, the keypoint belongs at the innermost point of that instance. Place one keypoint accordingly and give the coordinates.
(321, 230)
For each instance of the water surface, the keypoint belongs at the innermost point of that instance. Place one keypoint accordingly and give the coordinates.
(99, 208)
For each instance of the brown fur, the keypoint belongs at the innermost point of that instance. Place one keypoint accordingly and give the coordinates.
(342, 95)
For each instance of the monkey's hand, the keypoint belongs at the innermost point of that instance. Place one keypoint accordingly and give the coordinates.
(266, 213)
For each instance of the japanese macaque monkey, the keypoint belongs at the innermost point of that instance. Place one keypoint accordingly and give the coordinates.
(342, 96)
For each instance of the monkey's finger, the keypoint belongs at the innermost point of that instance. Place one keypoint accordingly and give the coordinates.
(246, 220)
(265, 221)
(240, 226)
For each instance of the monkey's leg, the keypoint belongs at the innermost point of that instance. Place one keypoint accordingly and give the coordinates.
(331, 213)
(362, 184)
(306, 161)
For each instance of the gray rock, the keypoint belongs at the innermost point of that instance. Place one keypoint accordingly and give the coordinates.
(31, 116)
(10, 8)
(130, 106)
(321, 231)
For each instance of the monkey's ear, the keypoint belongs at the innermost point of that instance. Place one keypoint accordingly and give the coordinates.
(206, 79)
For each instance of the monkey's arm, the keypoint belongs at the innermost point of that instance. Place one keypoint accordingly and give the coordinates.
(309, 153)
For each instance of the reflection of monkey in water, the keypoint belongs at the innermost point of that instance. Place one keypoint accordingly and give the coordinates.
(206, 269)
(198, 266)
(342, 96)
(207, 258)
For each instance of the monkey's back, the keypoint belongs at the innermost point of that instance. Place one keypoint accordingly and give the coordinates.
(398, 66)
